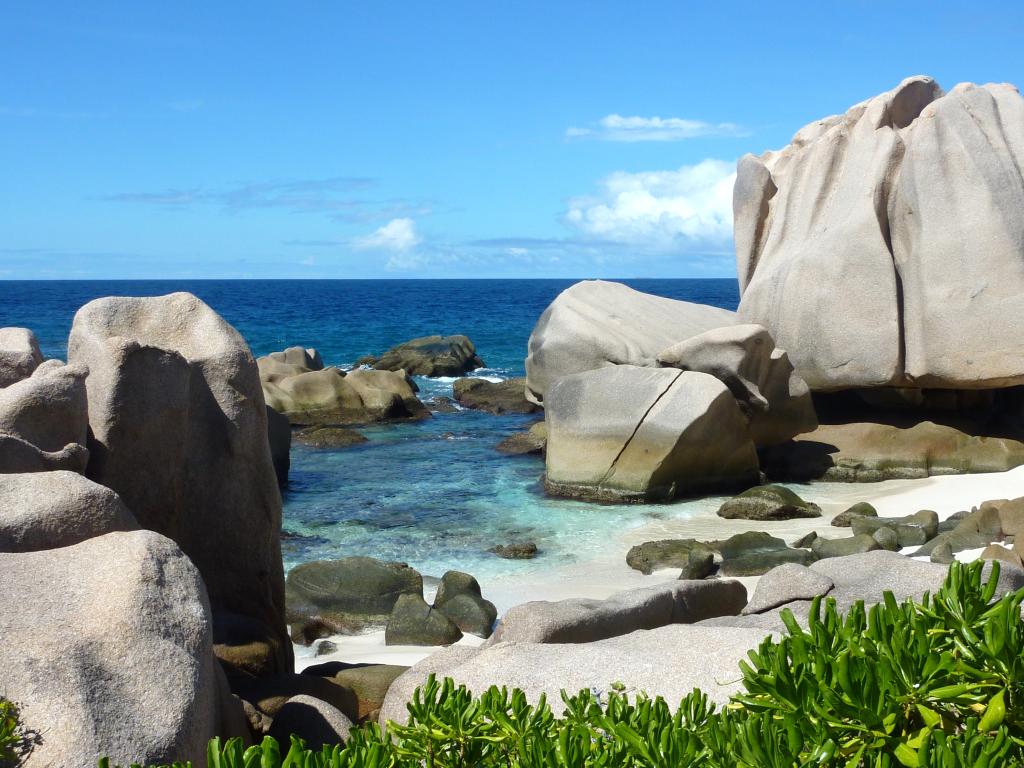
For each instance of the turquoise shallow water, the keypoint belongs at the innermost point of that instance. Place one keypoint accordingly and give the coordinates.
(435, 493)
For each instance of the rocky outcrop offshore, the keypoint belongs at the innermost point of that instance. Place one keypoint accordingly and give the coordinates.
(429, 356)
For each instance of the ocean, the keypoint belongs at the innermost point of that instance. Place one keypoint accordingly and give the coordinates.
(435, 493)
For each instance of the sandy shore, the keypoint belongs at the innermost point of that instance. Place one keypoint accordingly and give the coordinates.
(602, 576)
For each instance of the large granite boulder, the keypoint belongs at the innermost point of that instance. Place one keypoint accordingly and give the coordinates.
(460, 599)
(349, 594)
(369, 682)
(579, 620)
(508, 396)
(594, 324)
(882, 246)
(107, 650)
(48, 411)
(669, 661)
(775, 400)
(279, 435)
(413, 622)
(179, 430)
(429, 356)
(47, 510)
(19, 355)
(630, 433)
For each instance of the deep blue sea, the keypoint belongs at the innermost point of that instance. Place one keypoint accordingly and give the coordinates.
(435, 494)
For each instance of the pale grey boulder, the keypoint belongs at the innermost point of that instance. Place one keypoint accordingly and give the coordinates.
(775, 400)
(881, 248)
(107, 650)
(17, 455)
(630, 433)
(48, 510)
(956, 215)
(19, 355)
(668, 661)
(594, 324)
(49, 408)
(314, 720)
(580, 620)
(785, 584)
(179, 431)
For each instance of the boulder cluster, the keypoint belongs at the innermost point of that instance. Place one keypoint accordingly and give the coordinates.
(876, 336)
(354, 594)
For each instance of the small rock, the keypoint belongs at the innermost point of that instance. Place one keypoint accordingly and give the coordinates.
(311, 719)
(325, 647)
(998, 552)
(442, 404)
(785, 584)
(459, 598)
(369, 682)
(762, 562)
(805, 541)
(768, 502)
(887, 539)
(862, 542)
(507, 396)
(912, 530)
(860, 509)
(942, 553)
(527, 550)
(430, 356)
(329, 437)
(666, 553)
(699, 565)
(533, 441)
(413, 622)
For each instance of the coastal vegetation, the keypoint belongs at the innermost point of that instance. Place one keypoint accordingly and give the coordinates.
(935, 683)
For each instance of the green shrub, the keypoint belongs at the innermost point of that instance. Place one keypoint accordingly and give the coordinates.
(16, 741)
(935, 684)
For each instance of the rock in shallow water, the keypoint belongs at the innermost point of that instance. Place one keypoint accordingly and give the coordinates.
(507, 396)
(429, 356)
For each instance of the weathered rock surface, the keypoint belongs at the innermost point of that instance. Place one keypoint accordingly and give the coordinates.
(48, 510)
(668, 661)
(664, 553)
(785, 584)
(866, 451)
(413, 622)
(429, 356)
(47, 409)
(580, 620)
(630, 433)
(852, 545)
(524, 550)
(87, 629)
(594, 324)
(19, 355)
(349, 594)
(912, 530)
(279, 433)
(775, 400)
(768, 502)
(330, 396)
(179, 431)
(858, 244)
(507, 396)
(312, 719)
(17, 455)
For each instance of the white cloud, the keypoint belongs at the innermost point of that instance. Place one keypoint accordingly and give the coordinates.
(630, 129)
(690, 207)
(397, 236)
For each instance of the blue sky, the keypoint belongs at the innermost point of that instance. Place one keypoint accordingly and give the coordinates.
(477, 139)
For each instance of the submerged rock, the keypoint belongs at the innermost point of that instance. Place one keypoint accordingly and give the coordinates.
(526, 550)
(507, 396)
(626, 433)
(429, 356)
(768, 502)
(330, 437)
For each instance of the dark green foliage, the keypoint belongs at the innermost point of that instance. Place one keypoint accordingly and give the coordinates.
(16, 740)
(936, 684)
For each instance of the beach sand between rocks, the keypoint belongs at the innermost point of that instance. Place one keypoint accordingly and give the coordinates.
(600, 577)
